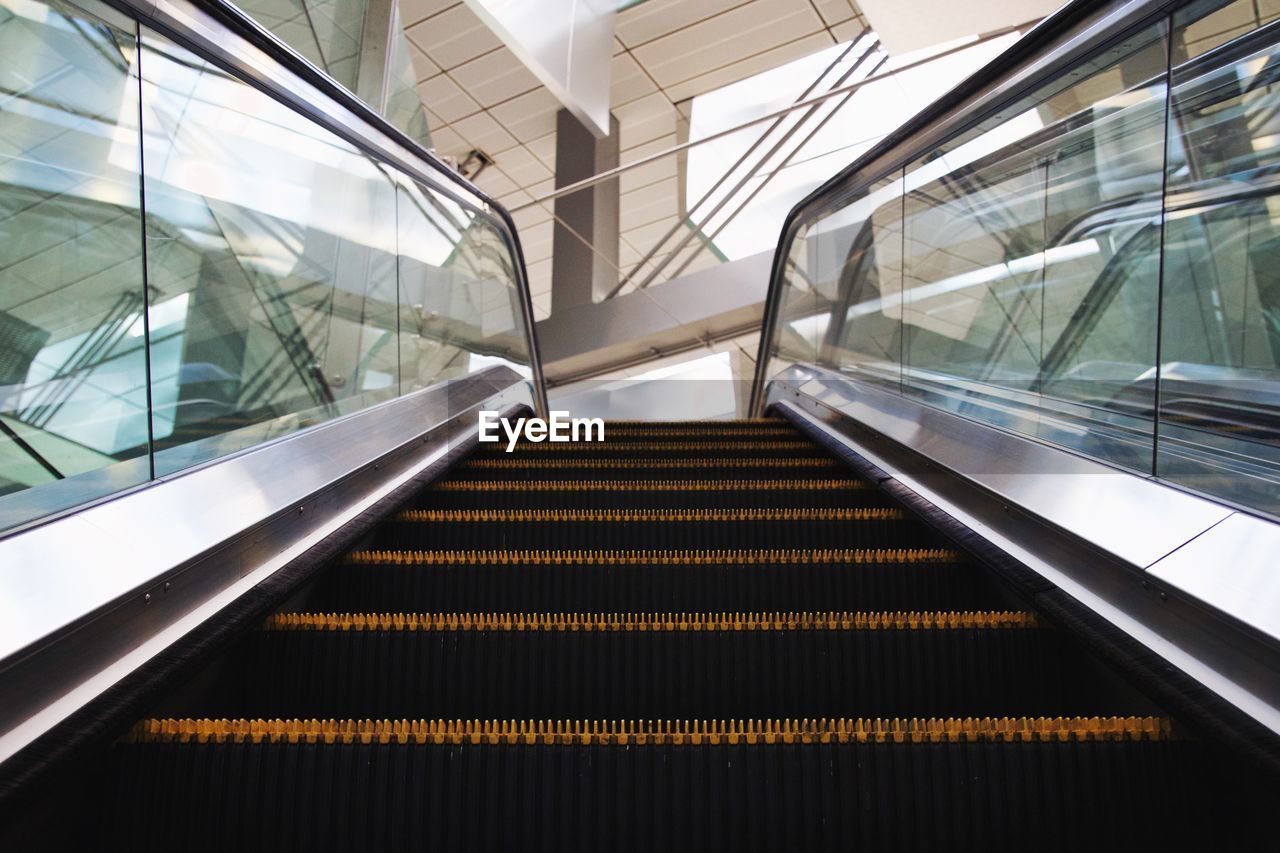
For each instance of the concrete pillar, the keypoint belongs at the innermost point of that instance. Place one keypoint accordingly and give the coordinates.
(585, 237)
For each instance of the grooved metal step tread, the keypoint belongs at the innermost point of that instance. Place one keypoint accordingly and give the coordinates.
(588, 622)
(656, 732)
(665, 446)
(650, 515)
(699, 464)
(652, 580)
(712, 432)
(646, 485)
(691, 557)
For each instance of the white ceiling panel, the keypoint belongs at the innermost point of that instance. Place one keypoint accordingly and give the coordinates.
(423, 67)
(413, 11)
(772, 58)
(521, 166)
(726, 39)
(531, 216)
(540, 276)
(537, 242)
(629, 81)
(848, 31)
(453, 37)
(651, 173)
(834, 11)
(515, 198)
(530, 115)
(494, 182)
(495, 77)
(483, 132)
(652, 118)
(648, 235)
(544, 148)
(446, 99)
(654, 19)
(447, 141)
(631, 153)
(649, 204)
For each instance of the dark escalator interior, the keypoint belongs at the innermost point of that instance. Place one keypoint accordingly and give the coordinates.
(692, 636)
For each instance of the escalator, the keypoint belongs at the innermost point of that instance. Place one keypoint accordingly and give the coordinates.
(690, 636)
(991, 569)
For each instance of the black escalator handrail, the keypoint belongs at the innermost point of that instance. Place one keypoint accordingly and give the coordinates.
(437, 175)
(1077, 29)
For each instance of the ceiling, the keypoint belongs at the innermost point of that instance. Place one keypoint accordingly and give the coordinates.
(479, 95)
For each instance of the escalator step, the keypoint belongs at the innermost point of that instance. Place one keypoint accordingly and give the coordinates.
(632, 433)
(649, 494)
(651, 449)
(817, 527)
(652, 581)
(764, 469)
(966, 784)
(576, 666)
(688, 636)
(728, 423)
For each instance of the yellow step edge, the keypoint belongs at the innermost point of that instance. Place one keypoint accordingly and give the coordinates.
(570, 446)
(814, 462)
(661, 515)
(687, 557)
(709, 432)
(658, 622)
(659, 424)
(657, 732)
(646, 485)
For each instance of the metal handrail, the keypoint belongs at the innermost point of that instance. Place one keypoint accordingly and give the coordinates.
(1076, 29)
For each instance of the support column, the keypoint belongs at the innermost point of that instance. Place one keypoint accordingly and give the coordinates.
(585, 237)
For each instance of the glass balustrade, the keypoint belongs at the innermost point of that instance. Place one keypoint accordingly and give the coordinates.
(189, 268)
(1094, 266)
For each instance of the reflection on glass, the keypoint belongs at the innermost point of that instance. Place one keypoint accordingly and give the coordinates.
(73, 395)
(224, 272)
(859, 258)
(802, 310)
(459, 305)
(1220, 335)
(404, 102)
(1028, 243)
(327, 32)
(1097, 266)
(330, 33)
(271, 263)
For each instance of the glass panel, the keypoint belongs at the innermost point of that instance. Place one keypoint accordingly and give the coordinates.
(230, 274)
(459, 303)
(271, 262)
(327, 32)
(802, 312)
(857, 252)
(73, 391)
(404, 101)
(1032, 259)
(1220, 335)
